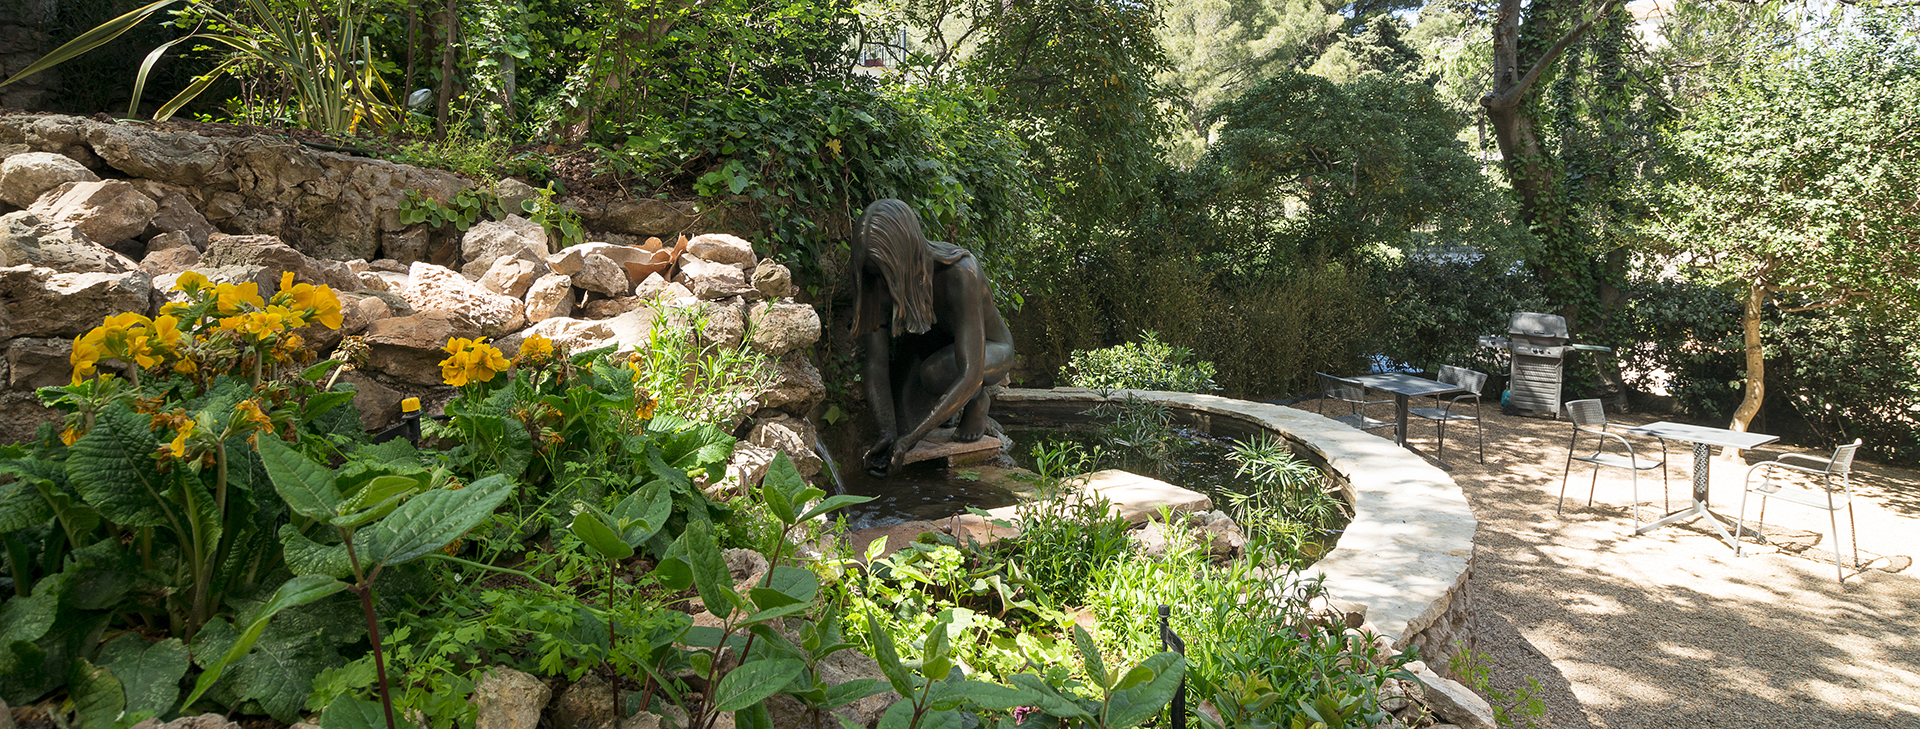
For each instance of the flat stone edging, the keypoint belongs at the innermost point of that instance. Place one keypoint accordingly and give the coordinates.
(1409, 549)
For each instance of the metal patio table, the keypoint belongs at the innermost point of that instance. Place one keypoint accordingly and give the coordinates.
(1404, 387)
(1703, 438)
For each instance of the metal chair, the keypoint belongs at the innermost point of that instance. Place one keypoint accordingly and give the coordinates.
(1822, 497)
(1590, 417)
(1355, 395)
(1471, 382)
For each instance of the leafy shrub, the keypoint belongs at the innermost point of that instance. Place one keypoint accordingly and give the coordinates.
(1293, 503)
(1145, 365)
(1434, 308)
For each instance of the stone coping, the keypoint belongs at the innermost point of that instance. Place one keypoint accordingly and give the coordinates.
(1407, 552)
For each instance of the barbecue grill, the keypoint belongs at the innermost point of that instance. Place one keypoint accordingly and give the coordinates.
(1539, 346)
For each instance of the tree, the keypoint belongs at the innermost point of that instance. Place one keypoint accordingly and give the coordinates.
(1800, 182)
(1217, 49)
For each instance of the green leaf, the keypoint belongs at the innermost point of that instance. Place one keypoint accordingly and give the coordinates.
(988, 696)
(280, 672)
(601, 538)
(297, 591)
(1048, 698)
(21, 505)
(381, 488)
(840, 695)
(318, 370)
(889, 658)
(347, 712)
(644, 512)
(777, 501)
(1090, 654)
(675, 573)
(754, 717)
(897, 716)
(710, 575)
(27, 618)
(783, 476)
(151, 672)
(433, 520)
(112, 469)
(834, 503)
(307, 487)
(97, 696)
(1131, 706)
(307, 557)
(753, 682)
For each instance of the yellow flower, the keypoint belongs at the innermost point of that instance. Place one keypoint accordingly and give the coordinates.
(648, 405)
(190, 282)
(229, 297)
(316, 303)
(257, 324)
(178, 448)
(71, 434)
(471, 361)
(249, 411)
(535, 350)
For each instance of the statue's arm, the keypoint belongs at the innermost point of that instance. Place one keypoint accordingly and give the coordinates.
(970, 353)
(878, 378)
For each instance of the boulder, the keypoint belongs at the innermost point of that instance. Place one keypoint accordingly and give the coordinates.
(512, 275)
(709, 280)
(773, 280)
(488, 240)
(744, 470)
(378, 404)
(603, 275)
(548, 297)
(433, 288)
(571, 335)
(360, 310)
(796, 386)
(610, 308)
(25, 177)
(27, 239)
(514, 194)
(410, 348)
(170, 261)
(1451, 700)
(636, 217)
(509, 699)
(651, 287)
(108, 211)
(46, 303)
(169, 241)
(744, 564)
(271, 253)
(176, 214)
(587, 704)
(21, 415)
(792, 435)
(722, 248)
(722, 323)
(778, 328)
(36, 363)
(407, 246)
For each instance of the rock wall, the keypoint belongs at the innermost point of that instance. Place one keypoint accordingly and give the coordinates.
(98, 218)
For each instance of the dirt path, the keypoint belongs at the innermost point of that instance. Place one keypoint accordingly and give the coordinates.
(1669, 629)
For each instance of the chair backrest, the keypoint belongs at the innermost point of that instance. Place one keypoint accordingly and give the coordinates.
(1843, 459)
(1341, 388)
(1464, 378)
(1587, 414)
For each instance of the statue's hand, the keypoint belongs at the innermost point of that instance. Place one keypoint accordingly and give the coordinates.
(878, 460)
(899, 456)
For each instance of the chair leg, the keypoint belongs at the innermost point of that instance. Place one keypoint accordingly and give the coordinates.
(1441, 452)
(1594, 484)
(1480, 427)
(1833, 520)
(1635, 506)
(1567, 474)
(1740, 522)
(1853, 534)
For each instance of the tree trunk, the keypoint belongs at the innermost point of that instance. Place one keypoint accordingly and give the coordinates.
(1756, 358)
(449, 32)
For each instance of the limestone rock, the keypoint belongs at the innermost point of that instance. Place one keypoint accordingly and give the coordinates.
(433, 288)
(601, 274)
(513, 193)
(1452, 701)
(513, 275)
(839, 668)
(722, 248)
(271, 253)
(722, 323)
(176, 214)
(610, 308)
(45, 303)
(170, 261)
(744, 564)
(170, 241)
(636, 217)
(1152, 539)
(105, 210)
(27, 239)
(587, 704)
(550, 296)
(409, 348)
(36, 363)
(571, 335)
(25, 177)
(650, 288)
(796, 387)
(509, 699)
(794, 436)
(378, 404)
(773, 280)
(203, 721)
(21, 414)
(407, 246)
(709, 280)
(488, 240)
(360, 310)
(781, 328)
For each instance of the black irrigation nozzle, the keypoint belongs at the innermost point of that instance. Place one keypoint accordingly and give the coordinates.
(408, 427)
(1171, 641)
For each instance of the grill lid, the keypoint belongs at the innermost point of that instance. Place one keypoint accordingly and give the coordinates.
(1537, 325)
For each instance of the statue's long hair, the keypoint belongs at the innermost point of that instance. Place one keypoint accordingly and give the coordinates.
(889, 235)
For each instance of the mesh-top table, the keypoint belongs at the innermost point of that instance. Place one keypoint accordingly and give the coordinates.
(1703, 438)
(1404, 387)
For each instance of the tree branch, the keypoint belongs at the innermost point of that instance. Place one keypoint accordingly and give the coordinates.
(1511, 96)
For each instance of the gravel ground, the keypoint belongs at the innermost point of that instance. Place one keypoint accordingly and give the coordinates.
(1670, 629)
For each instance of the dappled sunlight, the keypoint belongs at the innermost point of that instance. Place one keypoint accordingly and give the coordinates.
(1670, 628)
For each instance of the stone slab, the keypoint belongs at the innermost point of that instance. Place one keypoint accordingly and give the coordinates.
(1134, 497)
(936, 445)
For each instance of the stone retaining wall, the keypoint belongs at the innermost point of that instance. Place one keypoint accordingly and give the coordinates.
(1407, 553)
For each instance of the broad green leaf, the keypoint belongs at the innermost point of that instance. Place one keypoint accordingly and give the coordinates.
(599, 537)
(840, 695)
(1139, 675)
(834, 503)
(949, 719)
(381, 488)
(798, 584)
(1048, 698)
(753, 682)
(710, 575)
(777, 502)
(889, 658)
(98, 697)
(782, 475)
(356, 519)
(433, 520)
(989, 696)
(112, 469)
(318, 370)
(21, 505)
(674, 573)
(307, 487)
(1131, 706)
(27, 618)
(150, 673)
(644, 512)
(754, 717)
(348, 712)
(307, 557)
(280, 672)
(1090, 654)
(897, 716)
(297, 591)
